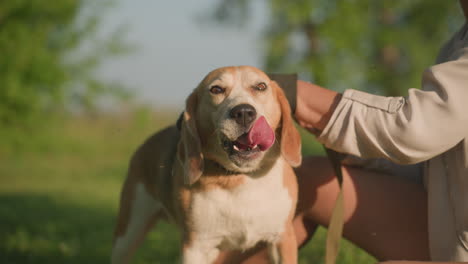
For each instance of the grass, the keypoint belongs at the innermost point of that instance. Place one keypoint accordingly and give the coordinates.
(59, 190)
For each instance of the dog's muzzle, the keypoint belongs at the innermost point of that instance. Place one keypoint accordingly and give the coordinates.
(260, 137)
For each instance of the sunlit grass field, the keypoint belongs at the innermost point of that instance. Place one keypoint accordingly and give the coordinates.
(59, 189)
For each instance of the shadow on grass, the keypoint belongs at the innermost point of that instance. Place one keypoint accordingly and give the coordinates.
(41, 229)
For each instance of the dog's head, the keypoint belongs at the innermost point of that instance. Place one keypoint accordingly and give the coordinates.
(240, 119)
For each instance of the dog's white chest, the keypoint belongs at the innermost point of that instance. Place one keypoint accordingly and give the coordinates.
(239, 218)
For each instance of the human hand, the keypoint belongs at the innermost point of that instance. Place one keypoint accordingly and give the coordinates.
(314, 106)
(311, 105)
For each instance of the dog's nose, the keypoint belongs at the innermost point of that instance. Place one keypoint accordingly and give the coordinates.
(244, 114)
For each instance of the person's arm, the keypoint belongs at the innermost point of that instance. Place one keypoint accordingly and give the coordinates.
(404, 130)
(315, 106)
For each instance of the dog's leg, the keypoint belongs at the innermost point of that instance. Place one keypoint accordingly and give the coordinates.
(285, 251)
(138, 213)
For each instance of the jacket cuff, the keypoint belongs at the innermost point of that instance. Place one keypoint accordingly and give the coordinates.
(288, 82)
(332, 135)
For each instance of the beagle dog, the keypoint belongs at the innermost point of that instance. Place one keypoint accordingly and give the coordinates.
(224, 177)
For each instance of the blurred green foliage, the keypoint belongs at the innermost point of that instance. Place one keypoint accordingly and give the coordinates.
(49, 52)
(59, 195)
(372, 45)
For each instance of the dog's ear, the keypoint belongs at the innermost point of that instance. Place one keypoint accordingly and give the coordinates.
(290, 137)
(189, 149)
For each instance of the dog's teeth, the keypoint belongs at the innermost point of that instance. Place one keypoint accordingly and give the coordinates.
(236, 148)
(256, 146)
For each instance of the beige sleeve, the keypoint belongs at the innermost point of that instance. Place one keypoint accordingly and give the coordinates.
(404, 130)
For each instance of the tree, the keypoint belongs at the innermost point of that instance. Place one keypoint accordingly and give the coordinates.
(378, 46)
(49, 51)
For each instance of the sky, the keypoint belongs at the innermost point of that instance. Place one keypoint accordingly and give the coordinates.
(174, 49)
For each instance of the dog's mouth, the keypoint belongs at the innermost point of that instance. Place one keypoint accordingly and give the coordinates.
(259, 138)
(240, 148)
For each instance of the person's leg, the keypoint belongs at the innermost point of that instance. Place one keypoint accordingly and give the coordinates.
(385, 215)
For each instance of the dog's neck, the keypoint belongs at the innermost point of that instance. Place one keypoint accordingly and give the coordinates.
(216, 176)
(215, 168)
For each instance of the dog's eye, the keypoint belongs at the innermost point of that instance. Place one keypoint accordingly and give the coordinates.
(260, 87)
(216, 89)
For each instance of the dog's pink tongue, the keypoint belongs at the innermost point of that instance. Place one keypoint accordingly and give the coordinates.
(261, 134)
